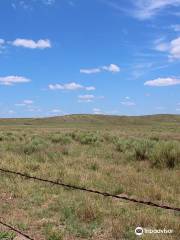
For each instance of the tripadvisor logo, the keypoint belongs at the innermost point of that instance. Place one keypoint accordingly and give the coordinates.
(139, 231)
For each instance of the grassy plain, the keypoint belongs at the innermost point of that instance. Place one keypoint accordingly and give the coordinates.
(136, 156)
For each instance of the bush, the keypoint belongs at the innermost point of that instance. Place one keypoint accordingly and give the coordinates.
(122, 144)
(142, 149)
(166, 154)
(34, 146)
(63, 139)
(87, 138)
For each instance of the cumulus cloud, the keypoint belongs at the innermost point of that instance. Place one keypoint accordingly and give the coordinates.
(172, 47)
(29, 43)
(70, 86)
(162, 82)
(110, 68)
(11, 80)
(67, 86)
(146, 9)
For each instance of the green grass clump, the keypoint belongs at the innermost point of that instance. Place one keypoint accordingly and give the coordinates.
(166, 154)
(62, 139)
(142, 149)
(34, 145)
(7, 236)
(87, 138)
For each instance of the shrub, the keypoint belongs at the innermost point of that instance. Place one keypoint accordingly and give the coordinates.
(87, 138)
(63, 139)
(142, 149)
(122, 144)
(34, 146)
(166, 154)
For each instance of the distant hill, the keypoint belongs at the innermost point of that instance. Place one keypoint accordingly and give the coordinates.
(82, 120)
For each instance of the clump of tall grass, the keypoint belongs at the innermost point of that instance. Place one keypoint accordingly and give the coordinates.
(60, 138)
(166, 154)
(34, 145)
(142, 149)
(87, 138)
(122, 145)
(162, 154)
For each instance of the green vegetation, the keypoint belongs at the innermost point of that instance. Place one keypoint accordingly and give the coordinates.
(7, 236)
(137, 156)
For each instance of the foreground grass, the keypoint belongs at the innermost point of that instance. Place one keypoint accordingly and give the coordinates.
(139, 160)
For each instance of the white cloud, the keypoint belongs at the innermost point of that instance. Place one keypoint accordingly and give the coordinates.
(128, 103)
(29, 4)
(172, 47)
(91, 88)
(90, 71)
(89, 98)
(70, 86)
(28, 43)
(11, 80)
(110, 68)
(175, 48)
(146, 9)
(162, 82)
(67, 86)
(86, 98)
(162, 47)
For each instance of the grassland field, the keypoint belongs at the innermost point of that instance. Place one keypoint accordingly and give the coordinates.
(134, 156)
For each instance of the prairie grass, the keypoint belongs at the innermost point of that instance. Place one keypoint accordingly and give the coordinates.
(136, 159)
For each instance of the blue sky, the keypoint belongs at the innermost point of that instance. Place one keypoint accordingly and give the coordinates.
(96, 56)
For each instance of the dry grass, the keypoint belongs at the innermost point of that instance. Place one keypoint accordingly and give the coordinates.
(139, 160)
